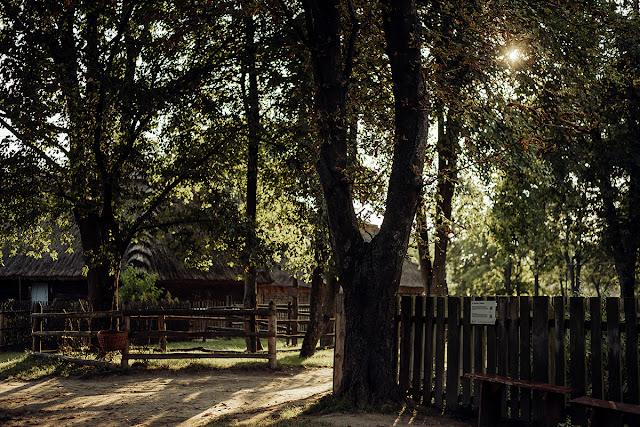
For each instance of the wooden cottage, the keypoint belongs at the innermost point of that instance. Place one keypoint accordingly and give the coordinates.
(44, 279)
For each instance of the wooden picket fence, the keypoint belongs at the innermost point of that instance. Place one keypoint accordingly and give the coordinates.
(590, 344)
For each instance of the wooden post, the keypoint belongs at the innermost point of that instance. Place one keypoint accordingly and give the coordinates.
(273, 327)
(405, 343)
(525, 363)
(2, 323)
(427, 385)
(296, 309)
(491, 356)
(467, 351)
(124, 363)
(162, 326)
(514, 354)
(502, 350)
(36, 326)
(440, 352)
(597, 383)
(631, 340)
(417, 347)
(289, 323)
(338, 351)
(613, 345)
(453, 353)
(559, 356)
(540, 342)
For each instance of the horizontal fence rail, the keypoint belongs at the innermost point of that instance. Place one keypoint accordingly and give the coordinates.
(590, 344)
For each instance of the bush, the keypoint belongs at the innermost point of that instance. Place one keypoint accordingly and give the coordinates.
(138, 285)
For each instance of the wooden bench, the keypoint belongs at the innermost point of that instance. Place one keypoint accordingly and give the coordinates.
(608, 412)
(492, 388)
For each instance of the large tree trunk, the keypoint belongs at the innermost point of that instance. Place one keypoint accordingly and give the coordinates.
(369, 374)
(369, 272)
(252, 109)
(102, 258)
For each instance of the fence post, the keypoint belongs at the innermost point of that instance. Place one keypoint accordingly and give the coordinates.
(124, 362)
(163, 328)
(453, 353)
(540, 341)
(631, 335)
(273, 327)
(2, 323)
(406, 309)
(289, 318)
(36, 326)
(338, 351)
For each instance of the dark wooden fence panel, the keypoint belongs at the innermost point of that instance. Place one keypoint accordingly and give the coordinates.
(440, 353)
(554, 340)
(453, 353)
(613, 345)
(467, 351)
(631, 365)
(418, 335)
(427, 384)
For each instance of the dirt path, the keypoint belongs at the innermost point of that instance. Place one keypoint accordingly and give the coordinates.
(168, 398)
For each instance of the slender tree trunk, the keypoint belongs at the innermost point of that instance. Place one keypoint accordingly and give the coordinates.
(507, 276)
(570, 273)
(332, 289)
(536, 276)
(623, 235)
(426, 269)
(577, 261)
(316, 325)
(252, 109)
(447, 159)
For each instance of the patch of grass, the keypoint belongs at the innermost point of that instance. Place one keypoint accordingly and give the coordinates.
(20, 366)
(10, 356)
(27, 367)
(329, 404)
(286, 417)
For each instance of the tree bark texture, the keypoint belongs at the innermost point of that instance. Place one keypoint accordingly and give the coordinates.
(447, 174)
(369, 272)
(426, 269)
(316, 326)
(507, 276)
(252, 108)
(96, 235)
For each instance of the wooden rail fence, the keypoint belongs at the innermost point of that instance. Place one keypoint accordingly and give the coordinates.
(161, 316)
(590, 344)
(16, 322)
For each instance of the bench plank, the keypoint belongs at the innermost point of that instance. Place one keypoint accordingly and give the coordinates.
(533, 385)
(629, 408)
(492, 387)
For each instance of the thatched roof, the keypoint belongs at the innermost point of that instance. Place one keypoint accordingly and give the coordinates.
(411, 276)
(67, 266)
(158, 258)
(155, 257)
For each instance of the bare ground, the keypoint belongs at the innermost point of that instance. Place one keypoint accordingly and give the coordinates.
(180, 398)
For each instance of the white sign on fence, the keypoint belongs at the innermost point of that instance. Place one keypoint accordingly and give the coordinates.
(483, 312)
